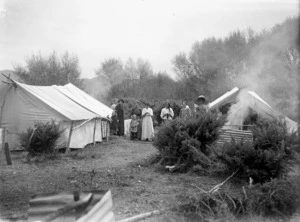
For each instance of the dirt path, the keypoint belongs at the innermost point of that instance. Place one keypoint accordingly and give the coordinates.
(21, 180)
(135, 189)
(115, 166)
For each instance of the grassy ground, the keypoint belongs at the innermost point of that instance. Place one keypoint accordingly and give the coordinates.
(118, 165)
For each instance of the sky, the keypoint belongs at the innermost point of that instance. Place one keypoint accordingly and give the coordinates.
(154, 30)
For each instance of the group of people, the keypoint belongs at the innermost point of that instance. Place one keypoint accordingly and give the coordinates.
(200, 107)
(141, 124)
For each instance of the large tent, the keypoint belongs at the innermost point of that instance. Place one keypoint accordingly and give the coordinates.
(84, 119)
(254, 102)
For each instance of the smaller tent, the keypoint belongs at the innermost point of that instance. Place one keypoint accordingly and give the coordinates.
(83, 118)
(251, 100)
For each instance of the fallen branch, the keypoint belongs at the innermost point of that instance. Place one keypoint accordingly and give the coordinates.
(217, 187)
(141, 216)
(203, 191)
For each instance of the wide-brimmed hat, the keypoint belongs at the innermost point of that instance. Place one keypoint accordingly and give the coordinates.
(201, 97)
(121, 100)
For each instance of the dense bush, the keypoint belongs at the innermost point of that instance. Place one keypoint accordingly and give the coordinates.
(270, 156)
(277, 198)
(129, 104)
(205, 129)
(41, 139)
(184, 144)
(273, 134)
(211, 206)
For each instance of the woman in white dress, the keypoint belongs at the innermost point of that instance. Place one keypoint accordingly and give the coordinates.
(147, 124)
(114, 122)
(167, 113)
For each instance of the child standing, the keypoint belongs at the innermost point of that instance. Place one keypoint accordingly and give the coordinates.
(133, 127)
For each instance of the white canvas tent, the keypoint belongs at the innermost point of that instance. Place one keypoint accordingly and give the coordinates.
(256, 103)
(22, 105)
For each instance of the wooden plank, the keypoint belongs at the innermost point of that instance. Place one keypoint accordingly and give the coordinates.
(233, 133)
(141, 216)
(94, 135)
(2, 152)
(7, 154)
(107, 130)
(234, 137)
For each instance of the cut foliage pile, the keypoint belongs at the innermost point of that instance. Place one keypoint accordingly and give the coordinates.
(184, 144)
(272, 155)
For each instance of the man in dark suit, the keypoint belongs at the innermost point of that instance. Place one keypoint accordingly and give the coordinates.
(120, 116)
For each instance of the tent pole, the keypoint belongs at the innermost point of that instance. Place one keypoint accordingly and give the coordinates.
(70, 135)
(94, 135)
(2, 153)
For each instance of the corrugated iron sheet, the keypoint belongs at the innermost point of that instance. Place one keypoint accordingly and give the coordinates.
(227, 135)
(100, 209)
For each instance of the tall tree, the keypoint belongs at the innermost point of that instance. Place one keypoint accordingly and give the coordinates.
(113, 70)
(50, 70)
(131, 69)
(144, 69)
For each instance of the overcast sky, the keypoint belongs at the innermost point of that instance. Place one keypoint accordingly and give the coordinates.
(155, 30)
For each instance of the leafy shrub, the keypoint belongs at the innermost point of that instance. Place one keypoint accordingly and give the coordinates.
(273, 134)
(183, 144)
(215, 205)
(278, 197)
(270, 156)
(41, 139)
(205, 129)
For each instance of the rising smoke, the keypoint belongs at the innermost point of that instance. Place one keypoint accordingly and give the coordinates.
(238, 111)
(272, 72)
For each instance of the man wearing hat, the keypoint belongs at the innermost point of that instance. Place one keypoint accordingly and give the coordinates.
(120, 116)
(200, 106)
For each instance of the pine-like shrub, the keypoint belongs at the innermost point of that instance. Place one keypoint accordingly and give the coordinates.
(273, 134)
(270, 156)
(183, 144)
(205, 129)
(212, 206)
(278, 197)
(42, 139)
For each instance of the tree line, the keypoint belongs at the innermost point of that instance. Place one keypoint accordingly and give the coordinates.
(266, 62)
